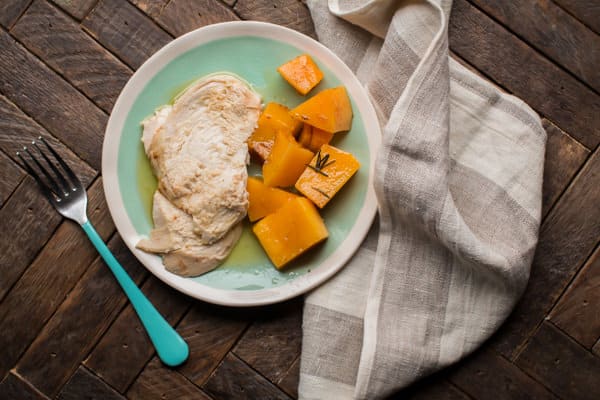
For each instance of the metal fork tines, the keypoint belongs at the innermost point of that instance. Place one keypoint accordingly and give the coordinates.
(56, 179)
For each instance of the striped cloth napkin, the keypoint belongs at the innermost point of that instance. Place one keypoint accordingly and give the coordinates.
(458, 181)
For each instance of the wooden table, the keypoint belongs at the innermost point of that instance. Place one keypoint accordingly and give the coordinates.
(66, 330)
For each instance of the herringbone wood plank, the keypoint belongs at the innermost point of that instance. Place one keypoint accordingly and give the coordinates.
(61, 69)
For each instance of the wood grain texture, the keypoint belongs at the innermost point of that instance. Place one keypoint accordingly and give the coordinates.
(18, 249)
(162, 383)
(182, 16)
(272, 342)
(51, 101)
(564, 157)
(44, 285)
(78, 323)
(289, 13)
(60, 42)
(247, 385)
(10, 10)
(487, 375)
(434, 387)
(443, 391)
(126, 31)
(567, 238)
(14, 387)
(10, 177)
(18, 130)
(152, 8)
(552, 31)
(85, 385)
(210, 331)
(77, 8)
(587, 11)
(517, 67)
(289, 380)
(52, 73)
(578, 311)
(596, 348)
(551, 357)
(124, 349)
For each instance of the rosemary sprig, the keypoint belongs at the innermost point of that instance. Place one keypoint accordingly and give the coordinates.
(321, 163)
(317, 170)
(320, 191)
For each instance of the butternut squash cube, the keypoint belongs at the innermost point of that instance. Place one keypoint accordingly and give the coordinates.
(319, 138)
(275, 117)
(327, 172)
(313, 138)
(305, 136)
(329, 110)
(290, 231)
(264, 200)
(286, 161)
(302, 73)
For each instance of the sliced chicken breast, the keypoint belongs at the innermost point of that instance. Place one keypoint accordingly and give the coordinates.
(173, 236)
(199, 154)
(197, 148)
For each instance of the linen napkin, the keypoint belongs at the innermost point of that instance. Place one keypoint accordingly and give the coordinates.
(458, 181)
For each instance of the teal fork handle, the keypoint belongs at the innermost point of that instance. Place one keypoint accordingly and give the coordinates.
(171, 348)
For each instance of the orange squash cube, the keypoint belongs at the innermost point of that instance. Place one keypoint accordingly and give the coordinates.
(329, 110)
(290, 231)
(302, 73)
(264, 200)
(313, 138)
(327, 172)
(305, 136)
(319, 138)
(275, 117)
(286, 161)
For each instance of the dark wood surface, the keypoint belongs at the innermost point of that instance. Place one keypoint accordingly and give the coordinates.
(66, 330)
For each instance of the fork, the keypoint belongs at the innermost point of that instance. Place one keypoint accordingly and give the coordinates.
(67, 194)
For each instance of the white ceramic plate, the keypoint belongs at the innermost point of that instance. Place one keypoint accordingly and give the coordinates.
(252, 50)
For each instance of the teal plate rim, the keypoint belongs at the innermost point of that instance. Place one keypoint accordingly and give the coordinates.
(336, 258)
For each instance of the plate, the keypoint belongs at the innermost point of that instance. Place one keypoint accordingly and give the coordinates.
(253, 51)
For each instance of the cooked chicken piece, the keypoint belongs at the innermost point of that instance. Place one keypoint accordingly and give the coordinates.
(199, 153)
(173, 236)
(151, 125)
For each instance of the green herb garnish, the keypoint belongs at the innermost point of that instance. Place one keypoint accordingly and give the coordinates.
(321, 163)
(320, 191)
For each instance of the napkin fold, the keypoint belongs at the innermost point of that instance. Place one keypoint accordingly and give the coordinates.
(458, 181)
